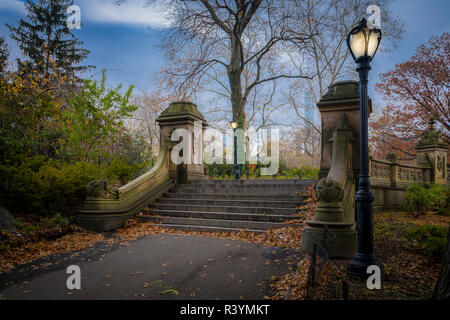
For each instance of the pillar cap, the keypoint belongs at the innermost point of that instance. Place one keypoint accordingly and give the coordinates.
(342, 93)
(181, 110)
(432, 138)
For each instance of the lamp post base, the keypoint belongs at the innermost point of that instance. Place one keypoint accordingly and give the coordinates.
(357, 267)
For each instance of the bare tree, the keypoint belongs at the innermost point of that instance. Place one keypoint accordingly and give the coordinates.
(240, 38)
(150, 106)
(327, 23)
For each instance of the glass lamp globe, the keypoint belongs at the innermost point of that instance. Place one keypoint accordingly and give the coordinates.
(363, 42)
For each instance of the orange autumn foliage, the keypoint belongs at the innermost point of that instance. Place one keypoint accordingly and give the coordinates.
(415, 91)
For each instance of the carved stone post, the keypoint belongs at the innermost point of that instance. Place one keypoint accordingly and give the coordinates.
(393, 159)
(339, 167)
(432, 153)
(183, 115)
(333, 225)
(341, 98)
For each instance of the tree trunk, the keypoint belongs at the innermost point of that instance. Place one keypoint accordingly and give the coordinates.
(234, 71)
(442, 288)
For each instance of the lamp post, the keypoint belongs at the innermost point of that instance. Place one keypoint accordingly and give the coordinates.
(233, 125)
(363, 44)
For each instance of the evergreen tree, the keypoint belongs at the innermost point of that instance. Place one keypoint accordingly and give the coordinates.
(3, 54)
(46, 41)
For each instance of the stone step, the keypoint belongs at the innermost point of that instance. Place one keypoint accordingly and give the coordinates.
(224, 196)
(300, 182)
(255, 190)
(221, 223)
(272, 186)
(211, 208)
(221, 215)
(193, 228)
(228, 205)
(231, 203)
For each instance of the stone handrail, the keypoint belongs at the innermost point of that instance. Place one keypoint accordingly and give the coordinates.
(105, 210)
(335, 211)
(384, 172)
(335, 192)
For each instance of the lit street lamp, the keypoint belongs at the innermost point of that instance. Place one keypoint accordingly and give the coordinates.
(363, 44)
(233, 125)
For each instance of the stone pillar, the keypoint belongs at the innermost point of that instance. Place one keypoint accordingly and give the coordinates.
(341, 98)
(184, 115)
(432, 152)
(393, 159)
(334, 224)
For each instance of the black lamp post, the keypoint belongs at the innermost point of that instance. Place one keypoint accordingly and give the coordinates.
(363, 44)
(233, 125)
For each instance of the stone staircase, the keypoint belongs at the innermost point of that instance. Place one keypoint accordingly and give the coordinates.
(228, 205)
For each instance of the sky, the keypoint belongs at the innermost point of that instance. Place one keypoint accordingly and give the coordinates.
(123, 39)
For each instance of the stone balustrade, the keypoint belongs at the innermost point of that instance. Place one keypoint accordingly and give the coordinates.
(387, 173)
(339, 171)
(106, 210)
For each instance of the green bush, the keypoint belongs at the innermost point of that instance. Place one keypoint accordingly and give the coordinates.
(422, 199)
(254, 171)
(47, 189)
(432, 238)
(20, 189)
(418, 200)
(119, 170)
(58, 221)
(441, 199)
(30, 228)
(305, 172)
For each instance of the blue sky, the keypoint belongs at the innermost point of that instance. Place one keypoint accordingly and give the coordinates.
(423, 18)
(123, 39)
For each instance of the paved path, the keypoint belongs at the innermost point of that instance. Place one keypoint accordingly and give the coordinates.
(156, 267)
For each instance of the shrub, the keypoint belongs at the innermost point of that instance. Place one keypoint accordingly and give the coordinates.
(58, 221)
(119, 170)
(441, 199)
(30, 228)
(20, 189)
(432, 238)
(305, 172)
(254, 170)
(422, 199)
(46, 189)
(417, 200)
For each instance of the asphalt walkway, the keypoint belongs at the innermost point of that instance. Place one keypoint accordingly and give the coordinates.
(162, 266)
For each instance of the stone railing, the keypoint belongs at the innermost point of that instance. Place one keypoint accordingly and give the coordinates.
(411, 174)
(393, 174)
(105, 210)
(335, 193)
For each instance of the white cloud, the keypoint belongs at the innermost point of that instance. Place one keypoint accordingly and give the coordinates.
(13, 5)
(132, 12)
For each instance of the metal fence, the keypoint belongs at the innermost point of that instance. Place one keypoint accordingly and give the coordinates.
(326, 280)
